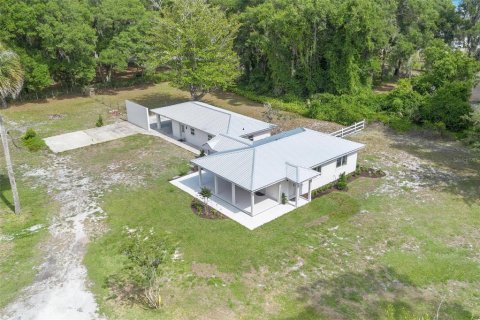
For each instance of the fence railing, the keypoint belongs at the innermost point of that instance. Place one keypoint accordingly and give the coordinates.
(356, 127)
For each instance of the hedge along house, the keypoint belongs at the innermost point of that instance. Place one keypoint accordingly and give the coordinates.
(196, 123)
(255, 176)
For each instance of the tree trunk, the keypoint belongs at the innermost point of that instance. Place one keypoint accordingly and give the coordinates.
(8, 160)
(3, 102)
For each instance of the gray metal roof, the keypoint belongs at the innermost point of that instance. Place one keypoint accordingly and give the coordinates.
(213, 120)
(223, 142)
(288, 155)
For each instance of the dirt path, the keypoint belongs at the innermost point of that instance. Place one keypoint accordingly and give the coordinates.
(60, 288)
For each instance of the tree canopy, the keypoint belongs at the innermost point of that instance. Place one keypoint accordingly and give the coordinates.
(196, 41)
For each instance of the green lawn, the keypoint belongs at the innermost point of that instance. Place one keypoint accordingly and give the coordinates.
(387, 248)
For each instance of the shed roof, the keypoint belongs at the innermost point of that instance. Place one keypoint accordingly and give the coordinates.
(289, 155)
(213, 120)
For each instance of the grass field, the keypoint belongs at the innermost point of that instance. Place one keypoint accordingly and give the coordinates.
(400, 247)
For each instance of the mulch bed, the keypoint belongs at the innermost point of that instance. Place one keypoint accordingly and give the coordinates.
(198, 208)
(364, 172)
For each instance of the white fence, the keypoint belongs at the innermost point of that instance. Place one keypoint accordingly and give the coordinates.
(356, 127)
(138, 115)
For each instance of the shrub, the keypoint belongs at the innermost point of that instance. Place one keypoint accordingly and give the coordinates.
(99, 122)
(147, 254)
(202, 153)
(32, 141)
(284, 198)
(449, 104)
(342, 182)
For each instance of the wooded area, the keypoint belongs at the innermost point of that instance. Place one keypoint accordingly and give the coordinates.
(318, 57)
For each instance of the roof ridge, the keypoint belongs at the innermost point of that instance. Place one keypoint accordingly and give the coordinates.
(209, 106)
(219, 153)
(253, 169)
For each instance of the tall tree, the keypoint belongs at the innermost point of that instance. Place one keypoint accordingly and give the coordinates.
(11, 81)
(470, 27)
(121, 27)
(195, 39)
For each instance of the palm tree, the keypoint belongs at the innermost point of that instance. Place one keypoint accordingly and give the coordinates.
(11, 75)
(11, 82)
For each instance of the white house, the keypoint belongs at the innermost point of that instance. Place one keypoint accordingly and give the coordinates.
(253, 175)
(196, 123)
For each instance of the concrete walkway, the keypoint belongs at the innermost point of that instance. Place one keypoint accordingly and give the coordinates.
(84, 138)
(189, 184)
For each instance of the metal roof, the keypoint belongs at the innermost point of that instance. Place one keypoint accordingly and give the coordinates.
(223, 142)
(213, 120)
(288, 155)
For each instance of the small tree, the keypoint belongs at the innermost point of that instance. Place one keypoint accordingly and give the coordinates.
(99, 122)
(284, 198)
(342, 182)
(205, 193)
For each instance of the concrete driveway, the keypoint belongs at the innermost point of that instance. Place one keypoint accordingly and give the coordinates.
(83, 138)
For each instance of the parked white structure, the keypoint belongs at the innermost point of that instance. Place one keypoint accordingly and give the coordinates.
(253, 176)
(196, 123)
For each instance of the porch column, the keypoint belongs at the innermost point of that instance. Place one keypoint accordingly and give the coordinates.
(252, 201)
(159, 122)
(233, 193)
(215, 184)
(297, 194)
(310, 190)
(200, 182)
(279, 193)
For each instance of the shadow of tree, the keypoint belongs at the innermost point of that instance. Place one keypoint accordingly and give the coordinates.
(5, 186)
(371, 295)
(449, 165)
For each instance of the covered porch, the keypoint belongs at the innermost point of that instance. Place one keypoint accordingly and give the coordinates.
(252, 203)
(265, 209)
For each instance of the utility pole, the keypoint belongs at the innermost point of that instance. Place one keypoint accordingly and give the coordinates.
(8, 160)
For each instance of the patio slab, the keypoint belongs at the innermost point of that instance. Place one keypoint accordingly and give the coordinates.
(189, 184)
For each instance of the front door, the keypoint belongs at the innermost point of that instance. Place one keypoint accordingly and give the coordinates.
(182, 131)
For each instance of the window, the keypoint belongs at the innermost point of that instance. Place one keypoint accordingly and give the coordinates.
(342, 161)
(210, 137)
(192, 131)
(318, 169)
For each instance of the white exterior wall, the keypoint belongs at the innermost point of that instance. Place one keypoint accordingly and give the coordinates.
(137, 115)
(272, 191)
(199, 139)
(330, 173)
(176, 129)
(261, 136)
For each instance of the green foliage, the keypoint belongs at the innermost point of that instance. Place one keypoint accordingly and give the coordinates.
(11, 75)
(342, 182)
(344, 109)
(99, 122)
(32, 141)
(146, 255)
(473, 133)
(205, 193)
(284, 198)
(196, 40)
(449, 104)
(403, 101)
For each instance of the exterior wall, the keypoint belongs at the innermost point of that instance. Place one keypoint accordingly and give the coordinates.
(330, 173)
(137, 115)
(199, 139)
(176, 129)
(261, 136)
(272, 192)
